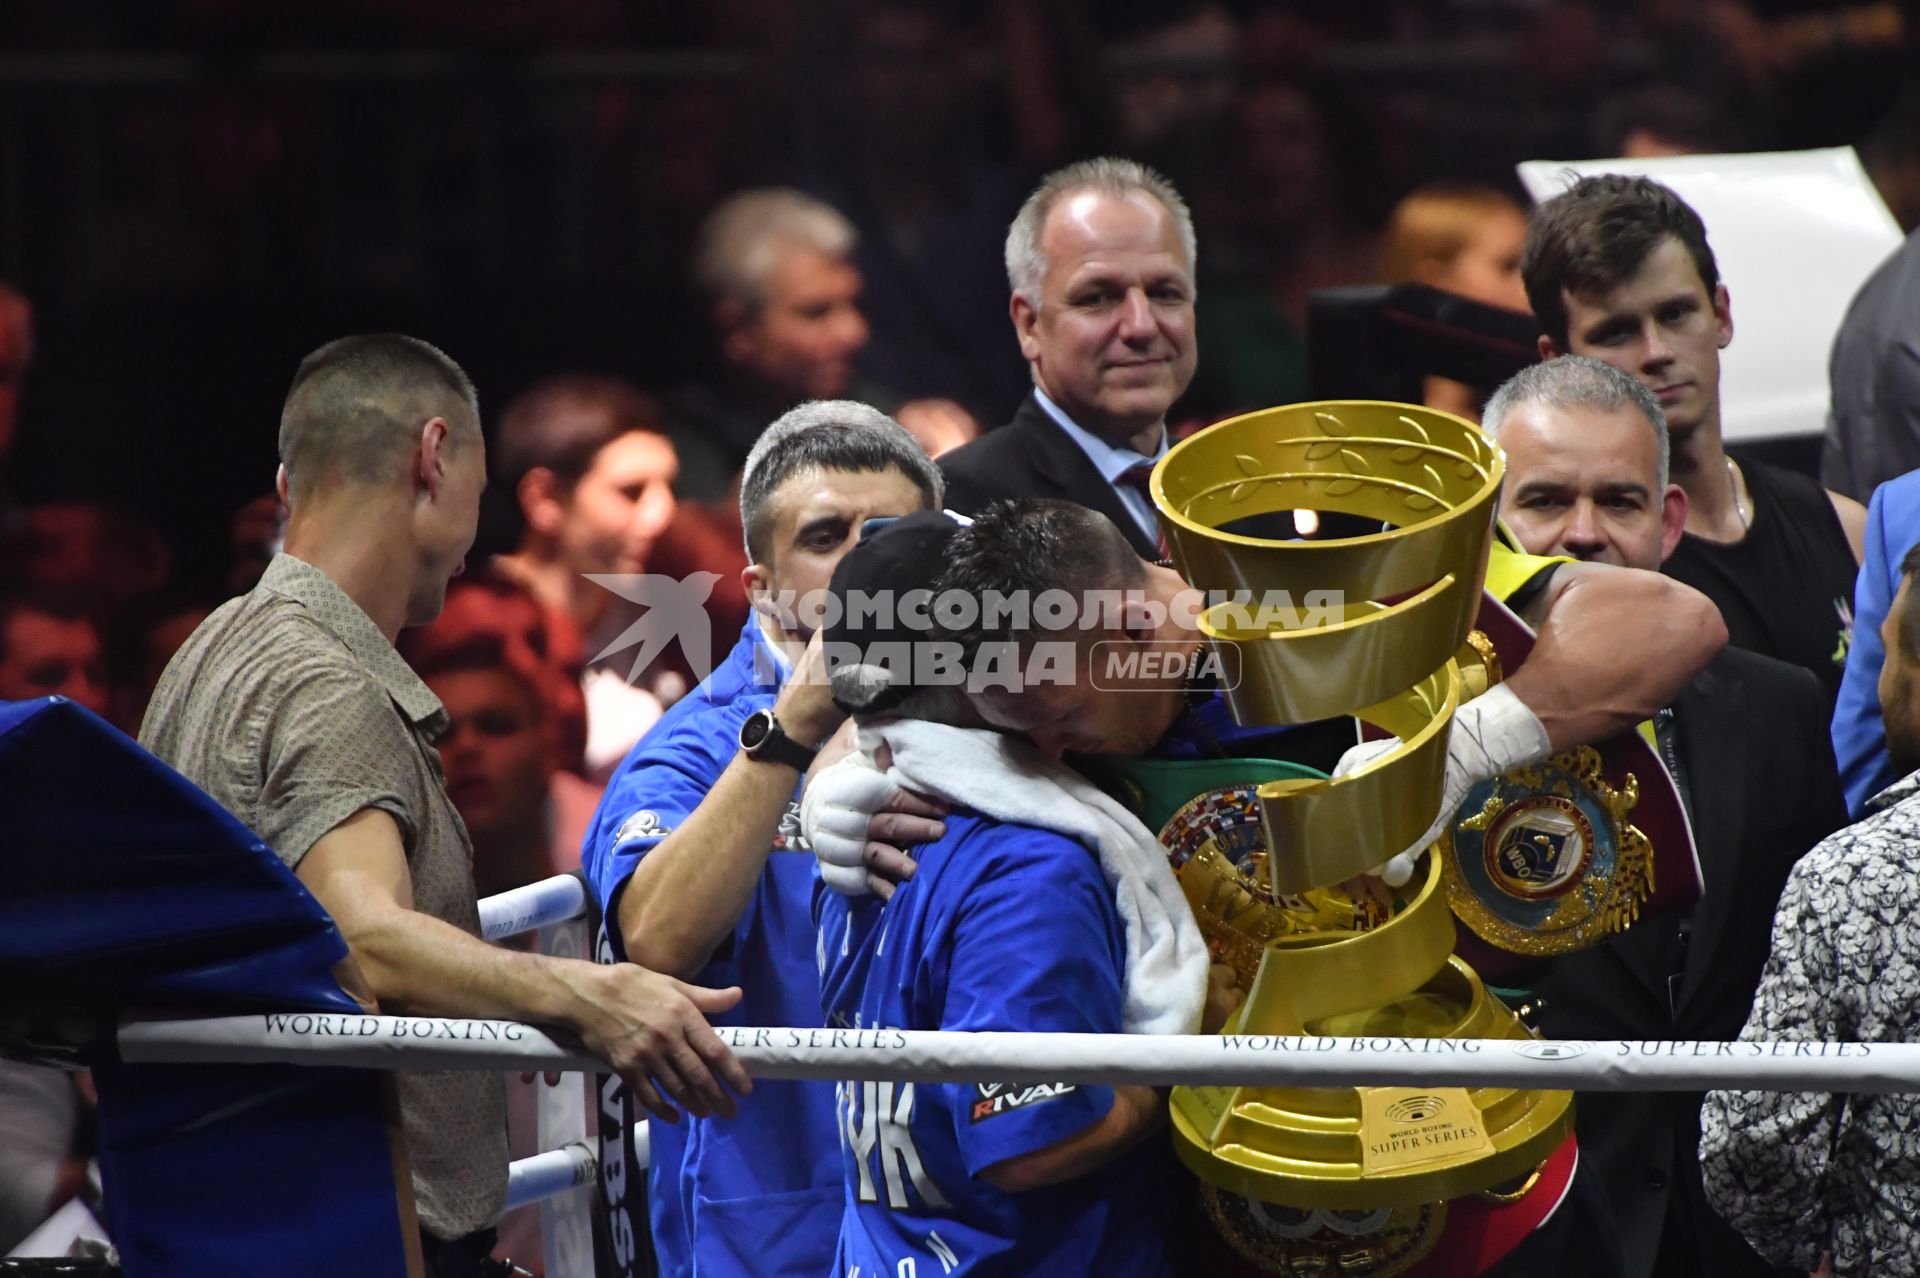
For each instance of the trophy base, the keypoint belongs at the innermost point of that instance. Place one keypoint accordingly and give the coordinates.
(1367, 1148)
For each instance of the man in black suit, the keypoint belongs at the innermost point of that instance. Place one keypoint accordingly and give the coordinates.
(1100, 259)
(1587, 476)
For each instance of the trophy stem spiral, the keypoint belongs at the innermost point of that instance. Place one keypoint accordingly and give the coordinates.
(1409, 596)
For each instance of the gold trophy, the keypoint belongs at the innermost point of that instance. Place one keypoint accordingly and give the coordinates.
(1350, 1180)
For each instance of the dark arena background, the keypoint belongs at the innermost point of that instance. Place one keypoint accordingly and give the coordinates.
(582, 751)
(193, 193)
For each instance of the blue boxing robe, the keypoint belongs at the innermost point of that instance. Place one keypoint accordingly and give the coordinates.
(1002, 927)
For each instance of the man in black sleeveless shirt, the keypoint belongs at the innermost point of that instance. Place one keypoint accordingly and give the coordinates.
(1618, 268)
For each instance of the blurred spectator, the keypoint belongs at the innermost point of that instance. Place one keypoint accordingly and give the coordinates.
(259, 528)
(486, 611)
(592, 469)
(143, 643)
(1812, 32)
(938, 425)
(1890, 153)
(90, 551)
(1466, 240)
(16, 357)
(919, 173)
(775, 269)
(1873, 419)
(1660, 119)
(1280, 235)
(49, 648)
(1171, 85)
(526, 819)
(499, 760)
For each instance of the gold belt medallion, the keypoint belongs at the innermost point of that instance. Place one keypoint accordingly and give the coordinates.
(1543, 860)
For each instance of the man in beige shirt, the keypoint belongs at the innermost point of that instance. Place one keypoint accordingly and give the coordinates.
(292, 709)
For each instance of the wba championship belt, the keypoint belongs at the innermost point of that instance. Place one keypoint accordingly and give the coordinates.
(1348, 1181)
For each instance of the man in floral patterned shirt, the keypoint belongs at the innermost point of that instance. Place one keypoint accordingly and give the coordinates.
(1814, 1179)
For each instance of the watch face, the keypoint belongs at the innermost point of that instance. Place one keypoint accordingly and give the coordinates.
(755, 729)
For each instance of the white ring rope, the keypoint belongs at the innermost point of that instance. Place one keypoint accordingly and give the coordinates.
(555, 1172)
(537, 905)
(426, 1043)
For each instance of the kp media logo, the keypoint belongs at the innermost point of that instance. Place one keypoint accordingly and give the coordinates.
(1127, 665)
(672, 610)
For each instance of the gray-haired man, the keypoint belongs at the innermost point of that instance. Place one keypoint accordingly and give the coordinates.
(774, 269)
(1100, 259)
(1587, 449)
(681, 854)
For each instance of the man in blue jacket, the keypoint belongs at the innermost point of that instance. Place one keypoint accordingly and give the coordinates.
(684, 855)
(1859, 735)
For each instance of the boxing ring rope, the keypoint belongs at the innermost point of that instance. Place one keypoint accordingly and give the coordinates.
(551, 907)
(529, 908)
(554, 1172)
(944, 1056)
(430, 1043)
(561, 1179)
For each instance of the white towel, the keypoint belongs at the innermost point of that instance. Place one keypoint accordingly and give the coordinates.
(1008, 780)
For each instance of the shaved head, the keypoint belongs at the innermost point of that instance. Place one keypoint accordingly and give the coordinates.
(356, 406)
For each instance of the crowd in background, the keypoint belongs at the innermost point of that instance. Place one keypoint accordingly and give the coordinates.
(534, 195)
(647, 234)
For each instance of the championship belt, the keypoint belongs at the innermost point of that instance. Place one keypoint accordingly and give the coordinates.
(1559, 855)
(1351, 1181)
(1207, 813)
(1207, 816)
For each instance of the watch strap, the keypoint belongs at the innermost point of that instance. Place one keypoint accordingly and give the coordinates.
(777, 747)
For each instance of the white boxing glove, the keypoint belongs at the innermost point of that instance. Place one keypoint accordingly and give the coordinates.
(835, 810)
(1491, 735)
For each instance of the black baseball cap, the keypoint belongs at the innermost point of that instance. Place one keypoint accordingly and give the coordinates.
(883, 587)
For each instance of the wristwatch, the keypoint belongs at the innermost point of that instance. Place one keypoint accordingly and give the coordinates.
(762, 737)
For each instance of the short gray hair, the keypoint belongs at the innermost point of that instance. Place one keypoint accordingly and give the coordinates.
(827, 434)
(1027, 263)
(743, 239)
(1576, 381)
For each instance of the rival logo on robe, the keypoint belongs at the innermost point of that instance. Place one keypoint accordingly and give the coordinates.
(1000, 1098)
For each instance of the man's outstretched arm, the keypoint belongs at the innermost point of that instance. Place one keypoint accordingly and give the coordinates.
(651, 1029)
(1615, 645)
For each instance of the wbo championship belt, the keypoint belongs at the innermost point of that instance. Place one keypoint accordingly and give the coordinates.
(1372, 1181)
(1559, 855)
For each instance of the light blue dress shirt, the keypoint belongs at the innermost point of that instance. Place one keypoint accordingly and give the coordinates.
(1111, 462)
